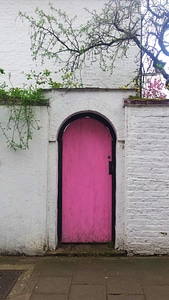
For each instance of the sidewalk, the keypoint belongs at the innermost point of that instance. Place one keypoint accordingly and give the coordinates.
(89, 278)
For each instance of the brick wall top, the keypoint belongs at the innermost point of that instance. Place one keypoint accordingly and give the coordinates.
(146, 102)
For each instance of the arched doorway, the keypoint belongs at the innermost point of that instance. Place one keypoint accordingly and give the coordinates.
(86, 180)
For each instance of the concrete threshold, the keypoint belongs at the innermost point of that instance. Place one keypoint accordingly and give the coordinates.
(84, 250)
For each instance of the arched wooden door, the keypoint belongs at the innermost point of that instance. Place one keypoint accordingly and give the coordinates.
(86, 182)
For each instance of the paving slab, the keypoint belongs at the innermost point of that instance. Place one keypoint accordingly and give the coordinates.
(126, 297)
(21, 297)
(120, 267)
(87, 292)
(60, 269)
(48, 297)
(153, 270)
(12, 260)
(53, 285)
(89, 278)
(156, 292)
(123, 286)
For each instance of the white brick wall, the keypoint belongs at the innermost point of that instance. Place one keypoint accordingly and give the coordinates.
(23, 191)
(147, 179)
(28, 179)
(142, 212)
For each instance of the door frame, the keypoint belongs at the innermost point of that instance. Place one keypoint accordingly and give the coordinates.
(61, 132)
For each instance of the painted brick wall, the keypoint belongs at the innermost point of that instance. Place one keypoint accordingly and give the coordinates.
(29, 178)
(23, 191)
(147, 179)
(15, 54)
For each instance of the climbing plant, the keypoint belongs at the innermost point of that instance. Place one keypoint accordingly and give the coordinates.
(21, 102)
(21, 121)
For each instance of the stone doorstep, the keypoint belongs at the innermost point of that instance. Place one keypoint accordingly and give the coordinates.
(85, 250)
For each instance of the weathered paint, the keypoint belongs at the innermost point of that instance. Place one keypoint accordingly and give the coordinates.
(86, 182)
(33, 212)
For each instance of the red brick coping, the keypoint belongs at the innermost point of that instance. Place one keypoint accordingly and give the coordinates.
(146, 102)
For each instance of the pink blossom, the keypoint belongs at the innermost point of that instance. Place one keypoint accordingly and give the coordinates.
(153, 89)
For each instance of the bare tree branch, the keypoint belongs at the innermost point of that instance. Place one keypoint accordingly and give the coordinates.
(110, 34)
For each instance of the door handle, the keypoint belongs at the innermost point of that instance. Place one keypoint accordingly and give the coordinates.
(110, 167)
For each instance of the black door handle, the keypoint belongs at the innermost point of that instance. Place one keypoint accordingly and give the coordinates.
(110, 167)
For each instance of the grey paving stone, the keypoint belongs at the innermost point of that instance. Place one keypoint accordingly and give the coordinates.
(58, 269)
(87, 292)
(153, 270)
(88, 263)
(21, 297)
(51, 278)
(28, 288)
(53, 285)
(156, 292)
(8, 260)
(49, 297)
(126, 297)
(123, 286)
(123, 268)
(89, 277)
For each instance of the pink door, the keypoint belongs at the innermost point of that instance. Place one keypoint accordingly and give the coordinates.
(86, 182)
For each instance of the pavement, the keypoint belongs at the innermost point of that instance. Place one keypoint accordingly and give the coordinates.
(89, 278)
